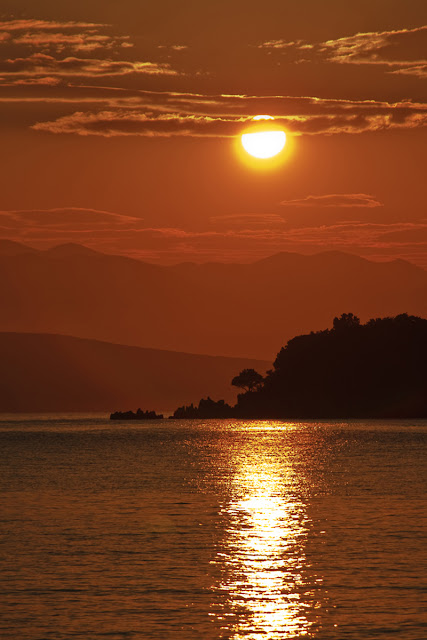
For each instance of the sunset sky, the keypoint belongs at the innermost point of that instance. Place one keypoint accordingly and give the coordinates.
(120, 125)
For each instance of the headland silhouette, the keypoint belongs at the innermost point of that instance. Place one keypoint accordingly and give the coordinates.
(353, 370)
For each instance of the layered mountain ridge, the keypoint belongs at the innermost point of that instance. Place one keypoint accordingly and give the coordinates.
(215, 308)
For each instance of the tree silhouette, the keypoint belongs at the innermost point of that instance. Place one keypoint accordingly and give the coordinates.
(374, 370)
(248, 379)
(207, 408)
(346, 321)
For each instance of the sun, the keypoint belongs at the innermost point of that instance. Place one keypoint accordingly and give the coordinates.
(264, 144)
(263, 140)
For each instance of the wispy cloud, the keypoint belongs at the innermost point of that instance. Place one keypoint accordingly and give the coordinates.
(46, 40)
(77, 42)
(64, 57)
(173, 47)
(32, 24)
(340, 200)
(59, 36)
(400, 48)
(64, 222)
(41, 65)
(248, 220)
(417, 70)
(402, 51)
(303, 116)
(136, 123)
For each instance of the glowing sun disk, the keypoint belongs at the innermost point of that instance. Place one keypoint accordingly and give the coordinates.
(264, 144)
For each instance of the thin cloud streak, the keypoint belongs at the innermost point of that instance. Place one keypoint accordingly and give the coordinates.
(398, 49)
(56, 35)
(335, 200)
(146, 105)
(248, 220)
(32, 24)
(136, 122)
(69, 219)
(40, 64)
(77, 42)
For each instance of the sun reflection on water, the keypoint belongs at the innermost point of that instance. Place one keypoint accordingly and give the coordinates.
(263, 557)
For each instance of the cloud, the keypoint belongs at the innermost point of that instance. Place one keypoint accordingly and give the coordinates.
(309, 116)
(32, 24)
(46, 39)
(335, 200)
(64, 222)
(248, 220)
(57, 35)
(40, 65)
(418, 70)
(77, 42)
(300, 114)
(402, 50)
(134, 123)
(38, 81)
(117, 111)
(173, 47)
(393, 48)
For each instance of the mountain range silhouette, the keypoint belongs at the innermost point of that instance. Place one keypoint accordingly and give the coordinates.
(213, 308)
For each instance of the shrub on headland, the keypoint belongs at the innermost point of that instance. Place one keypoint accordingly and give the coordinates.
(206, 409)
(138, 415)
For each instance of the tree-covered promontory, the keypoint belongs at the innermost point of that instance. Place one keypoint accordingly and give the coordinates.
(353, 370)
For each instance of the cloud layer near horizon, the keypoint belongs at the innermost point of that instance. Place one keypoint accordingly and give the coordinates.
(65, 224)
(240, 238)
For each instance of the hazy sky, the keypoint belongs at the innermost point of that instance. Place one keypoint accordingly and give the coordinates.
(120, 124)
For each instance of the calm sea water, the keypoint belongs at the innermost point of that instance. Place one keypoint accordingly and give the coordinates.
(217, 529)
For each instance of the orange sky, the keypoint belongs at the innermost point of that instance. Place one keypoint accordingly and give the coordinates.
(118, 126)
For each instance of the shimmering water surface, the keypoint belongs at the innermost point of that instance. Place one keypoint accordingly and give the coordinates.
(216, 529)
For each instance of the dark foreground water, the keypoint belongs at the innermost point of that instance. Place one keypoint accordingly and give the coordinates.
(217, 529)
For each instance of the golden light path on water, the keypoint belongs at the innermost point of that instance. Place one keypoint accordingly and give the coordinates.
(264, 552)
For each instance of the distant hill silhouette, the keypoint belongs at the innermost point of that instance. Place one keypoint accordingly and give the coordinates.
(60, 373)
(209, 308)
(12, 248)
(70, 250)
(374, 370)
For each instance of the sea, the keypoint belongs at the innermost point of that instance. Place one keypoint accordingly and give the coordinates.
(182, 530)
